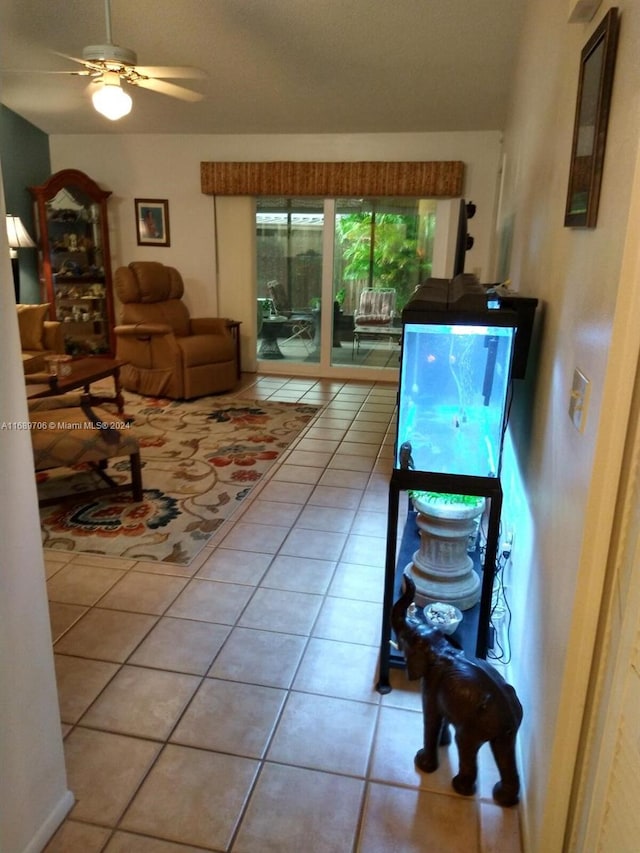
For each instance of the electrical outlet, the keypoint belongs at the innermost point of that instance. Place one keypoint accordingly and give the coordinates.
(507, 543)
(579, 399)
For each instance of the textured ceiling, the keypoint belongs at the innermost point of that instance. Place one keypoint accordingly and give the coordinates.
(273, 66)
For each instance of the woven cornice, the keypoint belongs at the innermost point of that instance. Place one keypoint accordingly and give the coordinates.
(430, 179)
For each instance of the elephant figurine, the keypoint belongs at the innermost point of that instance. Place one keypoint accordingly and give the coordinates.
(467, 693)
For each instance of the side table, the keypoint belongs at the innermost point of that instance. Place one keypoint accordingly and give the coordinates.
(234, 328)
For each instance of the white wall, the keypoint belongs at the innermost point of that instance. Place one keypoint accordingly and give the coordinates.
(168, 166)
(602, 819)
(33, 788)
(560, 484)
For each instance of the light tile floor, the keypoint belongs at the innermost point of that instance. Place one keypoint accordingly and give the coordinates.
(231, 705)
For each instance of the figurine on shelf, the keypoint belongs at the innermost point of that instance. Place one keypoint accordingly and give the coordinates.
(406, 459)
(70, 268)
(467, 693)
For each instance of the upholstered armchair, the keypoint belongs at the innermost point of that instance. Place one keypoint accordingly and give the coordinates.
(39, 337)
(168, 353)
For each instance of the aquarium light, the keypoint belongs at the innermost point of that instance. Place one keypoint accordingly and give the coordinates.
(470, 330)
(494, 331)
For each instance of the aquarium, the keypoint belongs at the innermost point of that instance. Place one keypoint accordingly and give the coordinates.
(454, 391)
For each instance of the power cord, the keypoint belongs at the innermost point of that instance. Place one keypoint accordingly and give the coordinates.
(500, 616)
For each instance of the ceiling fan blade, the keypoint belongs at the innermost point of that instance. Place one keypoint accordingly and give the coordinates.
(173, 72)
(170, 89)
(72, 58)
(90, 68)
(85, 73)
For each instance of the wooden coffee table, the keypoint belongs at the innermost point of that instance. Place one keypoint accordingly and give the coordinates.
(84, 371)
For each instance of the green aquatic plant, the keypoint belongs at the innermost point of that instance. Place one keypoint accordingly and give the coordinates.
(445, 498)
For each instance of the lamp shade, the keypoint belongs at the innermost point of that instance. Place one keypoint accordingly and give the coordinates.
(110, 100)
(17, 234)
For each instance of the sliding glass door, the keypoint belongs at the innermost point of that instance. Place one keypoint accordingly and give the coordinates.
(289, 246)
(382, 250)
(332, 279)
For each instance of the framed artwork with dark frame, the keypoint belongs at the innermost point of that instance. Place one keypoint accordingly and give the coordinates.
(152, 221)
(597, 62)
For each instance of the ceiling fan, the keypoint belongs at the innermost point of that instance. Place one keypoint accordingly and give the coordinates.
(109, 65)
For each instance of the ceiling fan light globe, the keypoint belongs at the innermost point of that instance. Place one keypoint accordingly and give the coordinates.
(111, 101)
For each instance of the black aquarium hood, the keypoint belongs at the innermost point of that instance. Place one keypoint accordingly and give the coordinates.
(463, 300)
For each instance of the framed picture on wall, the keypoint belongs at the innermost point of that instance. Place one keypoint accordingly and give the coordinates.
(152, 222)
(597, 62)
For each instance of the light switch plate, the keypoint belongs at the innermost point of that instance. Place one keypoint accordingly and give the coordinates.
(579, 399)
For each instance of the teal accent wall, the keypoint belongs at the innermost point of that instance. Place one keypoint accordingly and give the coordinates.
(25, 160)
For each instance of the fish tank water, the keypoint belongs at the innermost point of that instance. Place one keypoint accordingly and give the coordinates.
(454, 385)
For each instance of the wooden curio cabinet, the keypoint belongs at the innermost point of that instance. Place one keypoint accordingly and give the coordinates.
(75, 263)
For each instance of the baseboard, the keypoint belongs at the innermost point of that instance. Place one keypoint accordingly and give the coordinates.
(51, 824)
(523, 811)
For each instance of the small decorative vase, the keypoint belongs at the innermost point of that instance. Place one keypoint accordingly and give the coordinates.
(442, 569)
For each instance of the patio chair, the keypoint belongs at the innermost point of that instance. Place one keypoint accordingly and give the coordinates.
(302, 324)
(280, 298)
(376, 307)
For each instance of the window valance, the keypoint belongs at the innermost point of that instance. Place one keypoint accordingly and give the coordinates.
(420, 179)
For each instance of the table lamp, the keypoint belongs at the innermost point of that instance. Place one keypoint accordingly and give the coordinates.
(18, 238)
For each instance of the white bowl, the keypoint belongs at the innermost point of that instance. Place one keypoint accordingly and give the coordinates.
(443, 616)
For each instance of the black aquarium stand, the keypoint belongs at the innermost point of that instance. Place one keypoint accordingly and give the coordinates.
(473, 632)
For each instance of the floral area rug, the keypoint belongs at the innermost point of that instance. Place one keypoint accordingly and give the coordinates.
(200, 459)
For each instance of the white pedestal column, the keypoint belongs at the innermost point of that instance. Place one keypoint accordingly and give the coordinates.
(442, 569)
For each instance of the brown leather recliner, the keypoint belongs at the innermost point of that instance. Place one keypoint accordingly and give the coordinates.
(169, 354)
